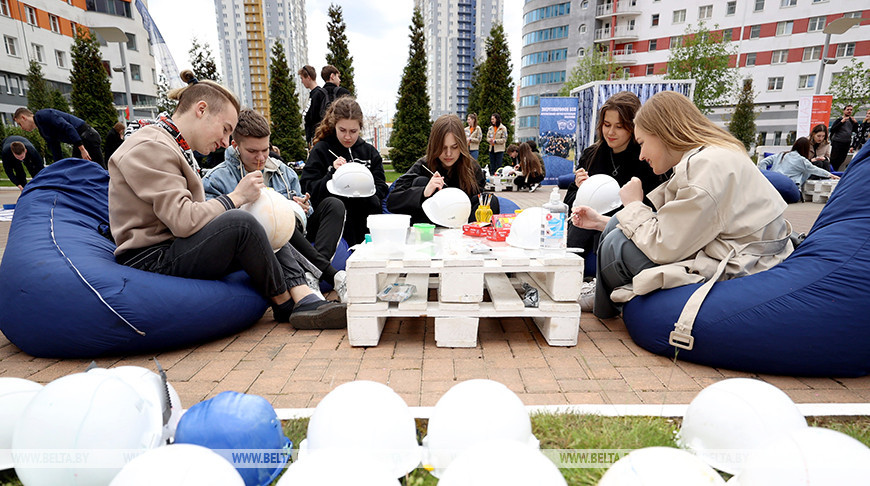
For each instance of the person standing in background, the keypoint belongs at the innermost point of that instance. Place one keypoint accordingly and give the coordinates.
(58, 127)
(18, 150)
(474, 135)
(841, 136)
(496, 136)
(863, 132)
(316, 101)
(114, 139)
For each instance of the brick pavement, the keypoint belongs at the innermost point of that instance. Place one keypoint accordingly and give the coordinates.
(295, 369)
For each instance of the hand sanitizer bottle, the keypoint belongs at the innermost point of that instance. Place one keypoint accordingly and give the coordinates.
(554, 225)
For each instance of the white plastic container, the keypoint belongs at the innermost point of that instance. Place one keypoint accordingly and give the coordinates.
(554, 223)
(389, 230)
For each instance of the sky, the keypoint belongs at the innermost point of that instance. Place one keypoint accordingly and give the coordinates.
(377, 32)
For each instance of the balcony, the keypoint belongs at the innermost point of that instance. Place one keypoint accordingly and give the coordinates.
(619, 34)
(625, 57)
(624, 7)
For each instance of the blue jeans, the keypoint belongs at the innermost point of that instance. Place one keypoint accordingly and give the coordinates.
(495, 159)
(619, 260)
(474, 154)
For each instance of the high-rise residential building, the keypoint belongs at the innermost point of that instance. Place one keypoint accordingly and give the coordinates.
(247, 30)
(43, 30)
(555, 34)
(456, 32)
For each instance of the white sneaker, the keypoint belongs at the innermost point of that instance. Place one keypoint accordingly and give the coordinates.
(587, 296)
(533, 187)
(313, 284)
(340, 285)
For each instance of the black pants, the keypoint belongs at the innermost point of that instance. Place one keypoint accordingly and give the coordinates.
(524, 181)
(93, 144)
(357, 211)
(14, 170)
(839, 151)
(325, 228)
(235, 240)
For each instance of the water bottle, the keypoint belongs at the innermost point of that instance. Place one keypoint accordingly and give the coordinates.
(554, 223)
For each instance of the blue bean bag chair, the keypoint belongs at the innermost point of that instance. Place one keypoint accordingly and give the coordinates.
(808, 316)
(565, 180)
(506, 206)
(63, 295)
(783, 185)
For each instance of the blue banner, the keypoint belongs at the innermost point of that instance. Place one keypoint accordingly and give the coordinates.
(558, 136)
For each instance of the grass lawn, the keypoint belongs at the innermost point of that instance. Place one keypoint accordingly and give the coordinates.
(570, 431)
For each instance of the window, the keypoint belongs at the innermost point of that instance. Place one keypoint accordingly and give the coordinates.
(11, 45)
(777, 138)
(38, 53)
(705, 12)
(135, 72)
(532, 100)
(679, 16)
(30, 15)
(812, 53)
(852, 15)
(750, 59)
(4, 87)
(816, 24)
(755, 32)
(655, 20)
(774, 84)
(131, 42)
(759, 5)
(552, 77)
(653, 44)
(676, 41)
(728, 35)
(60, 58)
(55, 23)
(787, 3)
(581, 52)
(731, 7)
(650, 69)
(15, 86)
(582, 28)
(807, 81)
(784, 28)
(779, 57)
(846, 50)
(4, 7)
(528, 121)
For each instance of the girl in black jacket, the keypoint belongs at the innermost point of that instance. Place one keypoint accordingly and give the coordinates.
(337, 142)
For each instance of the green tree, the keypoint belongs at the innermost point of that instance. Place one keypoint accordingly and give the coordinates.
(338, 54)
(38, 94)
(851, 87)
(411, 125)
(163, 101)
(287, 132)
(594, 66)
(742, 123)
(58, 101)
(705, 57)
(91, 96)
(495, 88)
(202, 61)
(474, 90)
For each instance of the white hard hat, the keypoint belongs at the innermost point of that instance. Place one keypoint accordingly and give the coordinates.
(364, 418)
(526, 229)
(15, 394)
(178, 465)
(449, 207)
(505, 463)
(660, 466)
(471, 412)
(100, 415)
(811, 456)
(275, 212)
(321, 469)
(600, 192)
(738, 414)
(151, 386)
(352, 180)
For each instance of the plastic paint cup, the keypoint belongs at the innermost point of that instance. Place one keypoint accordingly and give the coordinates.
(426, 231)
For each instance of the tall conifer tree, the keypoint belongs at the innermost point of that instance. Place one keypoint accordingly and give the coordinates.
(286, 119)
(412, 124)
(495, 88)
(91, 94)
(202, 62)
(338, 54)
(38, 95)
(742, 123)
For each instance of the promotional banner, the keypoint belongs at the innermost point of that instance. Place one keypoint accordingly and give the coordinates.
(813, 110)
(558, 136)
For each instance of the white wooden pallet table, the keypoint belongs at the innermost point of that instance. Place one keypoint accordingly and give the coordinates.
(460, 278)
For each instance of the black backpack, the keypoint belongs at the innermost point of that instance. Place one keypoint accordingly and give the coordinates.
(330, 97)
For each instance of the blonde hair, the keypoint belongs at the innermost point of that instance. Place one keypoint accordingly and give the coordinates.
(215, 95)
(343, 108)
(680, 125)
(464, 165)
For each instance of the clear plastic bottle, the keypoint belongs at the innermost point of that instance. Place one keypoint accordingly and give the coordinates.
(554, 223)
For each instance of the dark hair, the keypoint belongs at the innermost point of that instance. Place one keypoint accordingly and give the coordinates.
(510, 148)
(802, 146)
(464, 166)
(821, 127)
(119, 127)
(497, 119)
(215, 95)
(473, 117)
(533, 145)
(328, 71)
(625, 104)
(343, 108)
(530, 164)
(308, 72)
(18, 148)
(251, 125)
(21, 111)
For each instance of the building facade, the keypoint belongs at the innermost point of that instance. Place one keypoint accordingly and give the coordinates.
(43, 30)
(456, 32)
(247, 30)
(555, 33)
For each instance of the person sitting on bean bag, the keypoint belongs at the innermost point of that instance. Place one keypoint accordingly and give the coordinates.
(794, 164)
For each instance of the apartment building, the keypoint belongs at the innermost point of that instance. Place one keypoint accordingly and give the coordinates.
(43, 30)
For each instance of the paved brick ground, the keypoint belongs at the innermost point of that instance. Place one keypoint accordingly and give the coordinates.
(295, 369)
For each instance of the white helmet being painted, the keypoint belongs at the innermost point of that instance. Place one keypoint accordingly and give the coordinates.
(352, 180)
(98, 414)
(15, 395)
(178, 464)
(449, 207)
(471, 412)
(600, 192)
(737, 414)
(526, 229)
(660, 466)
(275, 212)
(505, 463)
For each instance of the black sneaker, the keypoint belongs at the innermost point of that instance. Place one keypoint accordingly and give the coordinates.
(321, 314)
